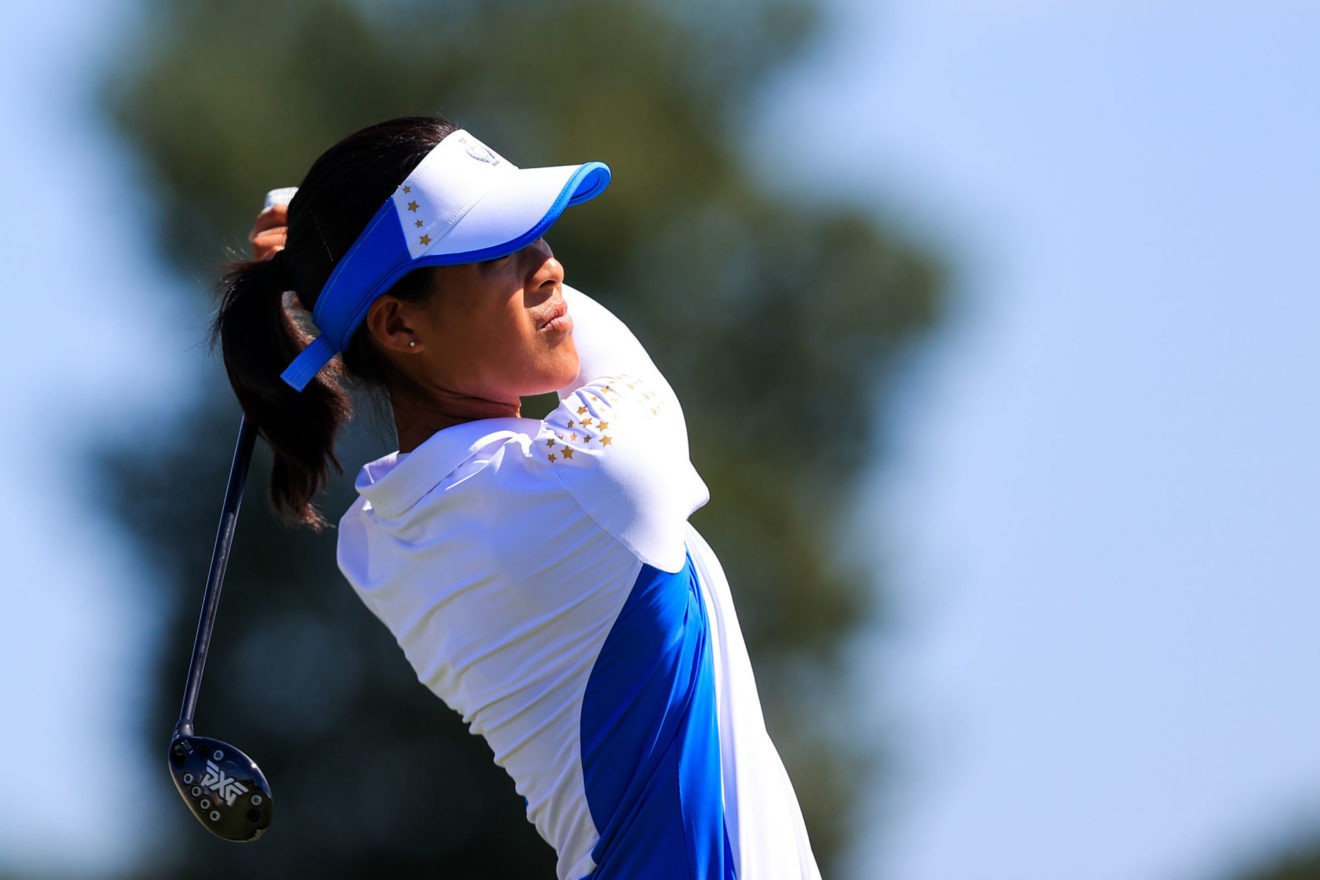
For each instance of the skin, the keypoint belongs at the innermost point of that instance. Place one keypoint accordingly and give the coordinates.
(269, 232)
(490, 334)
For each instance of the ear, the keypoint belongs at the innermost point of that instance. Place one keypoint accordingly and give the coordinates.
(390, 321)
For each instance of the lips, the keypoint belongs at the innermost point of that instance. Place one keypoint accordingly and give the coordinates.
(555, 317)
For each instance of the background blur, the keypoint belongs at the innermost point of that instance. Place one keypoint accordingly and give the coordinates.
(1015, 299)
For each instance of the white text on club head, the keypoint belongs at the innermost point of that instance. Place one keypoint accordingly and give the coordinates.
(223, 785)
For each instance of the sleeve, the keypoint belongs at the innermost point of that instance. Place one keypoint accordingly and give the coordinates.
(618, 443)
(606, 347)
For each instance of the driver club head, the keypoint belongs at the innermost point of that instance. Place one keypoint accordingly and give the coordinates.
(223, 787)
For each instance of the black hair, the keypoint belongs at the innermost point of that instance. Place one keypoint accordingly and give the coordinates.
(259, 333)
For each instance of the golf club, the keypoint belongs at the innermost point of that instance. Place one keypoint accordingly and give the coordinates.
(222, 786)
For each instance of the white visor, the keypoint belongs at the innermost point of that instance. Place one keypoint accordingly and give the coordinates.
(462, 204)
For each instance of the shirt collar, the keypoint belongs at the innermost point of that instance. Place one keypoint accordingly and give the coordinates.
(396, 482)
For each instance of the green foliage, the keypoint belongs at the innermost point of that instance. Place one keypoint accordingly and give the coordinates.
(1299, 861)
(777, 321)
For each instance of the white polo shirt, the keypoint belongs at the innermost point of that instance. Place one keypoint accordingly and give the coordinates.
(542, 579)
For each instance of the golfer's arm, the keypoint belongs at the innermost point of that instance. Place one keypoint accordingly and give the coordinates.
(607, 348)
(618, 441)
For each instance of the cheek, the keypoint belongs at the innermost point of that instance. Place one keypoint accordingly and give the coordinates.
(503, 354)
(498, 351)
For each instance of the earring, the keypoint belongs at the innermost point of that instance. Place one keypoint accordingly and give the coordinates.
(412, 343)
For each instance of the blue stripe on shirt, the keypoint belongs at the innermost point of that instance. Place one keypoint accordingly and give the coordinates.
(650, 740)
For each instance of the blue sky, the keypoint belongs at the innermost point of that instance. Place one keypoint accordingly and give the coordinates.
(91, 348)
(1099, 509)
(1101, 513)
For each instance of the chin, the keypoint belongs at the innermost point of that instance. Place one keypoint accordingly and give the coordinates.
(552, 378)
(567, 369)
(550, 371)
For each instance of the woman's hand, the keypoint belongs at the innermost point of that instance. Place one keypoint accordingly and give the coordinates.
(269, 232)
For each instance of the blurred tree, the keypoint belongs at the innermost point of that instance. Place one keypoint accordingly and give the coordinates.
(1300, 861)
(777, 319)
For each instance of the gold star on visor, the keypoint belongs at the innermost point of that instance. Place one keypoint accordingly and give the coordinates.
(425, 239)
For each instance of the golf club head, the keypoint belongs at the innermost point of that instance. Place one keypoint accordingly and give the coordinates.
(223, 787)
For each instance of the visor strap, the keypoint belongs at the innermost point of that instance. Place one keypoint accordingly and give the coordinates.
(310, 361)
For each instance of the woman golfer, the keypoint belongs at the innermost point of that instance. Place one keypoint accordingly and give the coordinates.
(540, 576)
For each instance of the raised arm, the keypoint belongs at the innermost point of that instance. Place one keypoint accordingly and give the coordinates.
(618, 440)
(606, 347)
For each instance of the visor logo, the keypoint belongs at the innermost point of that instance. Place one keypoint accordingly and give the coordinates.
(480, 152)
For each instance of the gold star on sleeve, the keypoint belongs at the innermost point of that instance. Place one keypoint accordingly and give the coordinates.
(425, 239)
(582, 410)
(550, 442)
(407, 189)
(604, 426)
(606, 440)
(551, 456)
(419, 224)
(413, 206)
(568, 452)
(586, 423)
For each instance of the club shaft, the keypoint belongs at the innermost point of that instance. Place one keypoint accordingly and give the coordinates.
(224, 540)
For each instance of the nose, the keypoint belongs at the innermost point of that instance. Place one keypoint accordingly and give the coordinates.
(544, 269)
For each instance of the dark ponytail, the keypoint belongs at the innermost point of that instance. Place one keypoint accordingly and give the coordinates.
(258, 335)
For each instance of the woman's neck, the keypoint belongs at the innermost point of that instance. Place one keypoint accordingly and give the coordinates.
(418, 416)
